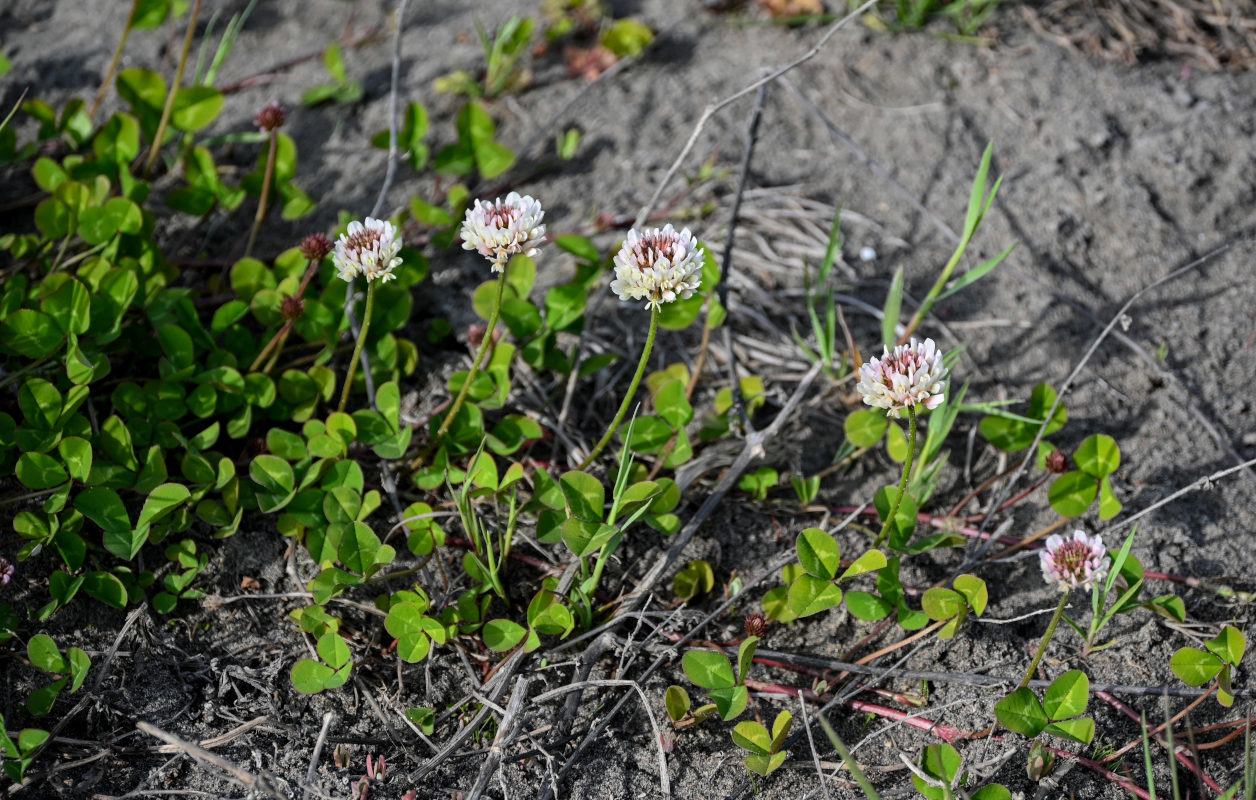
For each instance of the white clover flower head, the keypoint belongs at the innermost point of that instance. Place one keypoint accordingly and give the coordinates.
(501, 228)
(1074, 563)
(369, 249)
(911, 375)
(658, 266)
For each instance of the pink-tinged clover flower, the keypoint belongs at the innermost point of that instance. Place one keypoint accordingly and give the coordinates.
(6, 571)
(911, 375)
(1074, 563)
(501, 228)
(658, 266)
(368, 249)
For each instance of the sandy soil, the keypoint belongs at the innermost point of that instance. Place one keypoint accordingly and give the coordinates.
(1113, 177)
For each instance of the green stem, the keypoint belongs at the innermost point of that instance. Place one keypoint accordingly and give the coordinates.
(632, 390)
(17, 375)
(934, 291)
(357, 348)
(174, 90)
(1042, 646)
(261, 203)
(902, 483)
(466, 385)
(8, 501)
(117, 58)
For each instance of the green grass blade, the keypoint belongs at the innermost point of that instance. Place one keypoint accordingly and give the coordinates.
(976, 273)
(976, 200)
(13, 110)
(848, 759)
(833, 248)
(1151, 780)
(1168, 735)
(227, 42)
(893, 306)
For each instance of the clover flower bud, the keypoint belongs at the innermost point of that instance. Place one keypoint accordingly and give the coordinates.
(1073, 563)
(6, 571)
(292, 308)
(911, 375)
(658, 266)
(756, 625)
(315, 247)
(501, 228)
(269, 117)
(368, 249)
(1056, 462)
(1040, 761)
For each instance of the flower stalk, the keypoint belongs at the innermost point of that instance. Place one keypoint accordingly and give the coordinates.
(168, 110)
(485, 344)
(902, 482)
(370, 249)
(497, 230)
(268, 119)
(632, 390)
(900, 380)
(357, 348)
(315, 248)
(1046, 639)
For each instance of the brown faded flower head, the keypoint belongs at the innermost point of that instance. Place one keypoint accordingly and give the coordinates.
(269, 117)
(315, 247)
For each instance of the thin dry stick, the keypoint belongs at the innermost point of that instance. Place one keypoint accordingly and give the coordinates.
(101, 674)
(1192, 765)
(103, 671)
(263, 783)
(711, 110)
(721, 289)
(364, 358)
(592, 652)
(670, 652)
(963, 678)
(394, 113)
(811, 742)
(393, 736)
(1090, 351)
(390, 172)
(664, 782)
(752, 449)
(318, 751)
(752, 135)
(507, 729)
(1203, 483)
(505, 671)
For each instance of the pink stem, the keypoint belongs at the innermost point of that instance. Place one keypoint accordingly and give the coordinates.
(1182, 757)
(948, 733)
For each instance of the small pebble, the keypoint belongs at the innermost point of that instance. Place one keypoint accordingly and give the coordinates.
(867, 254)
